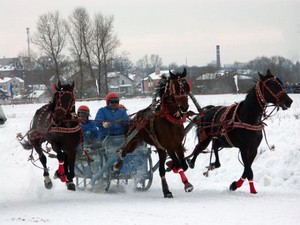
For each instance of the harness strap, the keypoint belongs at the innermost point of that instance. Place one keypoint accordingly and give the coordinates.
(228, 139)
(65, 129)
(153, 135)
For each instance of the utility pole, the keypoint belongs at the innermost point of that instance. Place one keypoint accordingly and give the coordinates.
(28, 41)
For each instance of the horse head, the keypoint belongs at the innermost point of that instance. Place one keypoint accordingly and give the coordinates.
(177, 89)
(270, 90)
(63, 101)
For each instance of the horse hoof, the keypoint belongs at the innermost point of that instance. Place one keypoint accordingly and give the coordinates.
(206, 174)
(48, 185)
(71, 186)
(115, 168)
(233, 186)
(168, 195)
(57, 175)
(191, 165)
(188, 187)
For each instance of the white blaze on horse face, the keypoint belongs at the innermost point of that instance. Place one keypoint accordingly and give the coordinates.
(177, 114)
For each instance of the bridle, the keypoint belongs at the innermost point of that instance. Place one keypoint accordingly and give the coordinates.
(177, 95)
(262, 86)
(171, 96)
(58, 102)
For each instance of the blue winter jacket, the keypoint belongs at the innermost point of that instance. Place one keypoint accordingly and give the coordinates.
(118, 118)
(90, 132)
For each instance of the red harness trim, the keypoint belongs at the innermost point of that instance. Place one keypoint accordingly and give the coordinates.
(175, 120)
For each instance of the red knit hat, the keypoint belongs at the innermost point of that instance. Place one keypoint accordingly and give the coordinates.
(122, 106)
(84, 109)
(110, 96)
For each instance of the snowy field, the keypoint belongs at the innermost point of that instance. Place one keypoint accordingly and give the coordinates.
(24, 200)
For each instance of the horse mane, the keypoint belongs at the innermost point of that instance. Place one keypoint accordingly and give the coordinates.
(162, 84)
(250, 90)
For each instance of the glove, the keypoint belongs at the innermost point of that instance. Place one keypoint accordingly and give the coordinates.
(87, 134)
(106, 124)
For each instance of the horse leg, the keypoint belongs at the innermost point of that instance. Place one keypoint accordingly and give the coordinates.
(162, 173)
(197, 150)
(60, 172)
(129, 147)
(47, 181)
(179, 166)
(70, 163)
(248, 173)
(216, 148)
(215, 164)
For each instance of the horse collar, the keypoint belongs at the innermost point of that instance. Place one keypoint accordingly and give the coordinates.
(172, 119)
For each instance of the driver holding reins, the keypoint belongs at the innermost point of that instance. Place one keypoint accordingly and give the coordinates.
(112, 119)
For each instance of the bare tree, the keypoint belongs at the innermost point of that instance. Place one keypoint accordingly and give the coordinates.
(104, 45)
(278, 65)
(77, 27)
(51, 37)
(122, 63)
(148, 64)
(155, 61)
(143, 65)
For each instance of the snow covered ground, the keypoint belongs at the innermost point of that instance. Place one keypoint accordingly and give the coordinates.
(24, 200)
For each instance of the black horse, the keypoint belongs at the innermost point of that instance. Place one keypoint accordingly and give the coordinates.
(240, 125)
(162, 126)
(56, 124)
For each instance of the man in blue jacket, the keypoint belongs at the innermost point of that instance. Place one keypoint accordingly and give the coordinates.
(111, 119)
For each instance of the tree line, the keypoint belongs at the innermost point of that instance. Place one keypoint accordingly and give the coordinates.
(87, 47)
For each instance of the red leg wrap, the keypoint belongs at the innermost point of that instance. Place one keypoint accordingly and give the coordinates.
(252, 188)
(63, 178)
(61, 169)
(182, 175)
(171, 166)
(240, 182)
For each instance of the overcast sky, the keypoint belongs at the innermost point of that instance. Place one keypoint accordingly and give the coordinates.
(178, 31)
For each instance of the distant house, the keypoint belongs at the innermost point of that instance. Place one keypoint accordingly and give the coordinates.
(12, 86)
(151, 80)
(120, 83)
(11, 67)
(223, 82)
(137, 80)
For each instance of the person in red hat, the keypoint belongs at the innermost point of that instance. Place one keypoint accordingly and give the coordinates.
(121, 106)
(112, 119)
(90, 130)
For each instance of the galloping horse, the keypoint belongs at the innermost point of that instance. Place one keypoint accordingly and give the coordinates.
(55, 124)
(162, 126)
(240, 125)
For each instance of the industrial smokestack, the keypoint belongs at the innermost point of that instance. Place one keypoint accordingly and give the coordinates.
(218, 57)
(28, 41)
